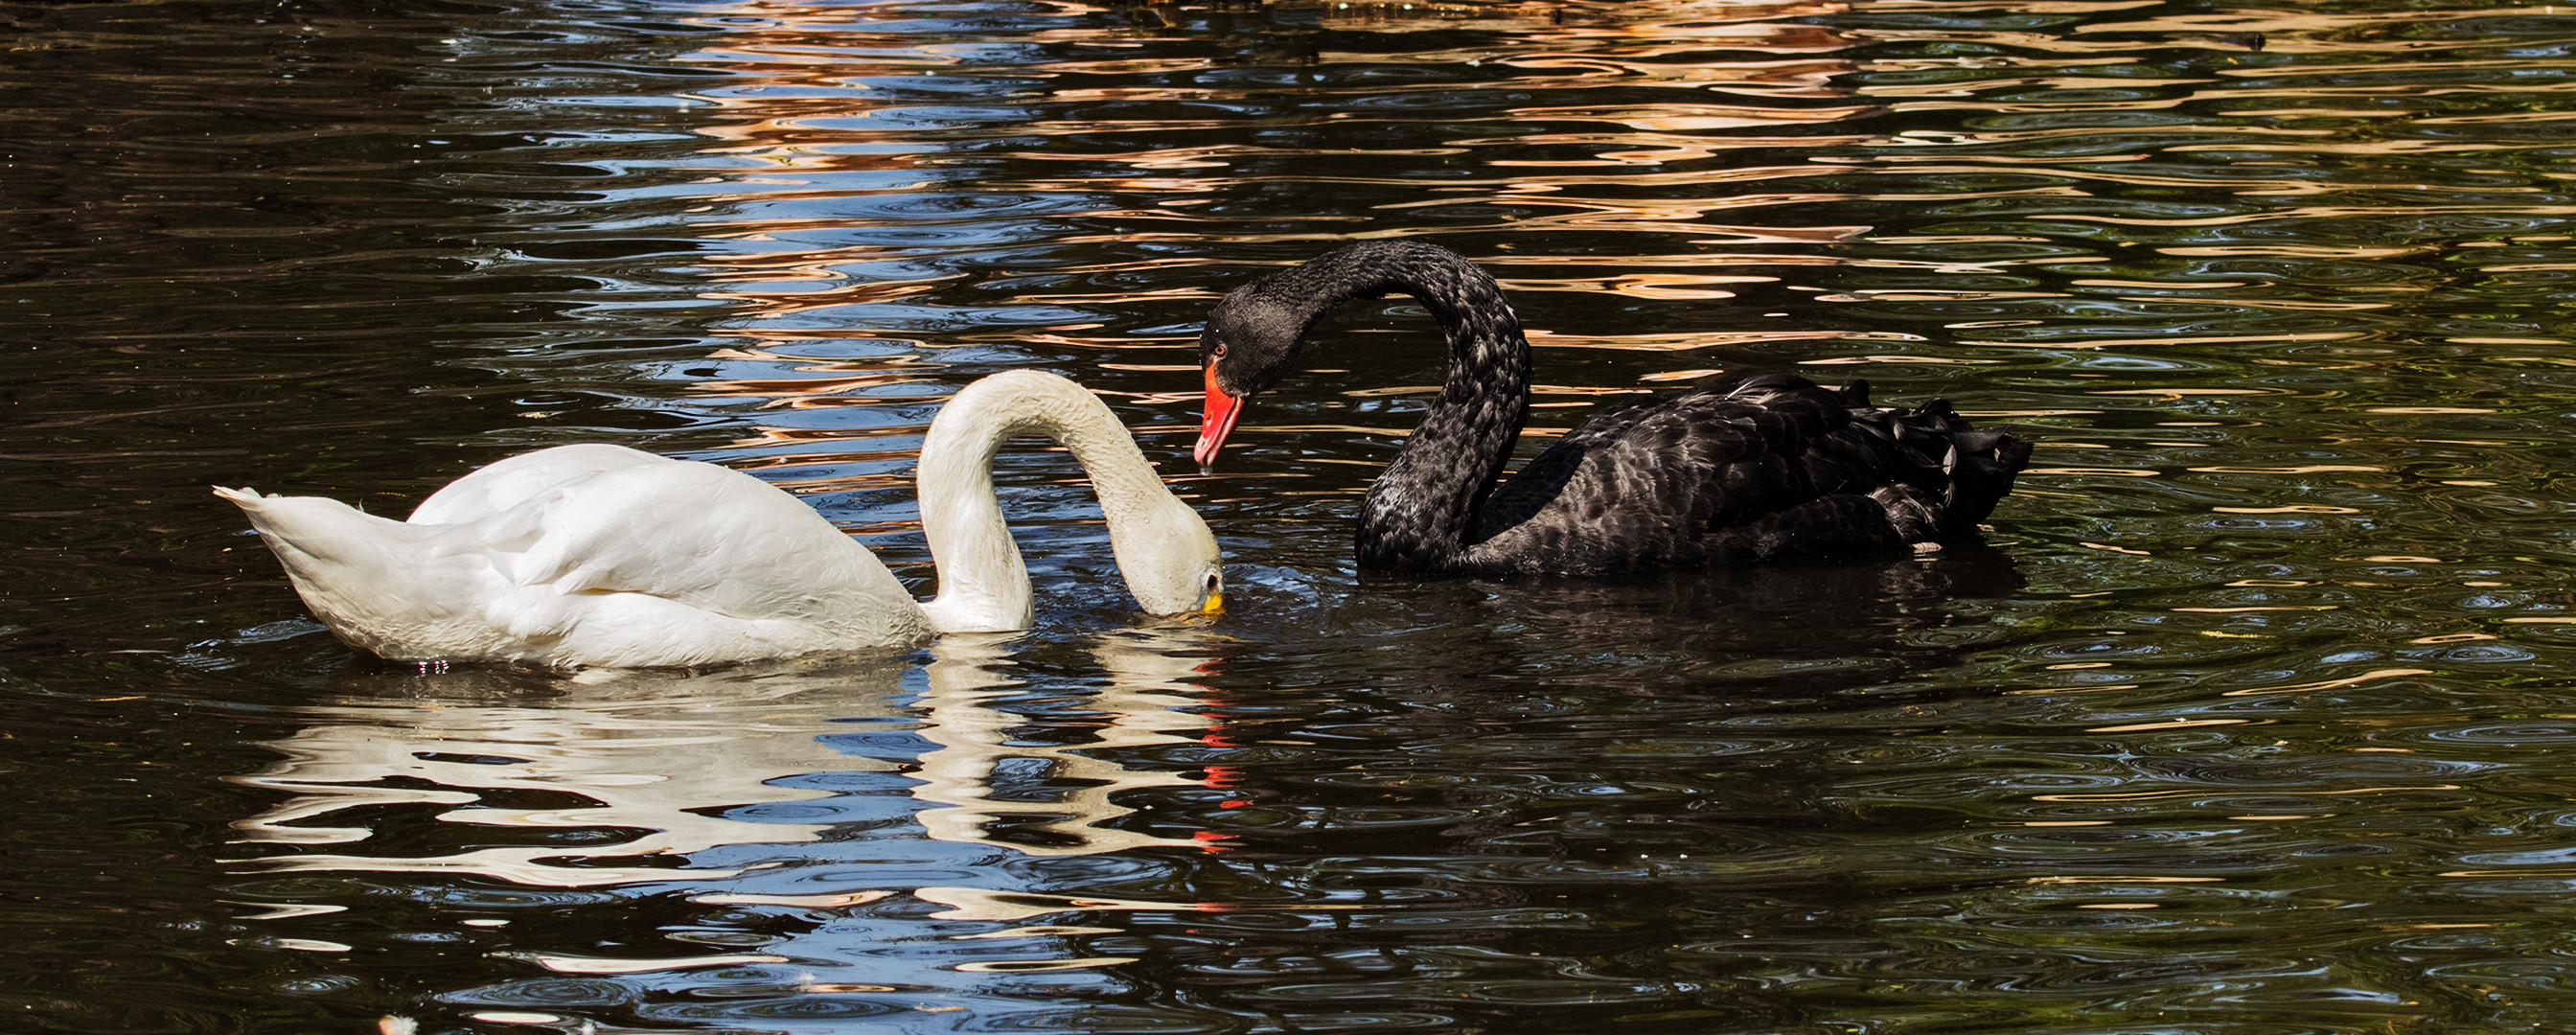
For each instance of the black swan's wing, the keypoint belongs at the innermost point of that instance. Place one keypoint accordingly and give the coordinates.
(1538, 483)
(1771, 466)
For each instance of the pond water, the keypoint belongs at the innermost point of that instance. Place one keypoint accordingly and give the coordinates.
(2249, 714)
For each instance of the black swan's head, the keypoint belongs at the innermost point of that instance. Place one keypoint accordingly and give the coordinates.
(1250, 343)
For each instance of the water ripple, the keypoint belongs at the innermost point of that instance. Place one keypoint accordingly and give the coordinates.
(2268, 639)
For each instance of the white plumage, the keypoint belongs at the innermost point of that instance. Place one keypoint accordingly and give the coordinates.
(600, 555)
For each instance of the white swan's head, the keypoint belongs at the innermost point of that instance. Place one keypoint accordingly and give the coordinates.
(1165, 552)
(1171, 561)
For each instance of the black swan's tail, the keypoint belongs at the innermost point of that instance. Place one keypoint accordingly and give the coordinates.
(1937, 475)
(1956, 472)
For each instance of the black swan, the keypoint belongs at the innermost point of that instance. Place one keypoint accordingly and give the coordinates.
(1761, 468)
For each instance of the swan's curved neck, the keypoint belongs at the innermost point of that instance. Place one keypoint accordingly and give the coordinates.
(983, 583)
(1418, 513)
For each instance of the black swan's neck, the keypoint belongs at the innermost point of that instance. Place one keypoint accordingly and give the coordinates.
(1417, 515)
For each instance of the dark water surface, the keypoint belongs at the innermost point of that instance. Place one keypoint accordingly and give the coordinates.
(2250, 716)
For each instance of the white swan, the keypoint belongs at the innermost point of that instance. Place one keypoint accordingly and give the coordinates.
(600, 555)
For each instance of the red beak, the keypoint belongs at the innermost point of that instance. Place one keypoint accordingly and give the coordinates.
(1217, 423)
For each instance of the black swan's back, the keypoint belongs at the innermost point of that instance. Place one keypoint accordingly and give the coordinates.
(1769, 467)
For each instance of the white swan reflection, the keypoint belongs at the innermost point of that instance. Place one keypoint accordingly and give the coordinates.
(1145, 700)
(659, 756)
(633, 774)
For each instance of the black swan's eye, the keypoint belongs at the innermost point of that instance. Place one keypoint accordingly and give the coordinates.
(1218, 352)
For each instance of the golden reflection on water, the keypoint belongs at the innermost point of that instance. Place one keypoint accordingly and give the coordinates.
(807, 140)
(849, 156)
(814, 133)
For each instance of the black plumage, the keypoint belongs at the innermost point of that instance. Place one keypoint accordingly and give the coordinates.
(1761, 468)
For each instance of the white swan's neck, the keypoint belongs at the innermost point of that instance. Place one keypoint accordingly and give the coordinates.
(983, 583)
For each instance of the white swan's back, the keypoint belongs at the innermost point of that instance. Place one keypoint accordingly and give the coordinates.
(588, 555)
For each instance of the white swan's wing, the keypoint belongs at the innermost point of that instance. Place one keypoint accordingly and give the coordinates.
(509, 482)
(630, 560)
(693, 533)
(634, 558)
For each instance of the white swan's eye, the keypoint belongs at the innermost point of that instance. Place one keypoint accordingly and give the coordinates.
(1215, 602)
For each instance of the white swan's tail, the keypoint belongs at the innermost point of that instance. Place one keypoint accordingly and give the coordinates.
(317, 537)
(376, 582)
(312, 535)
